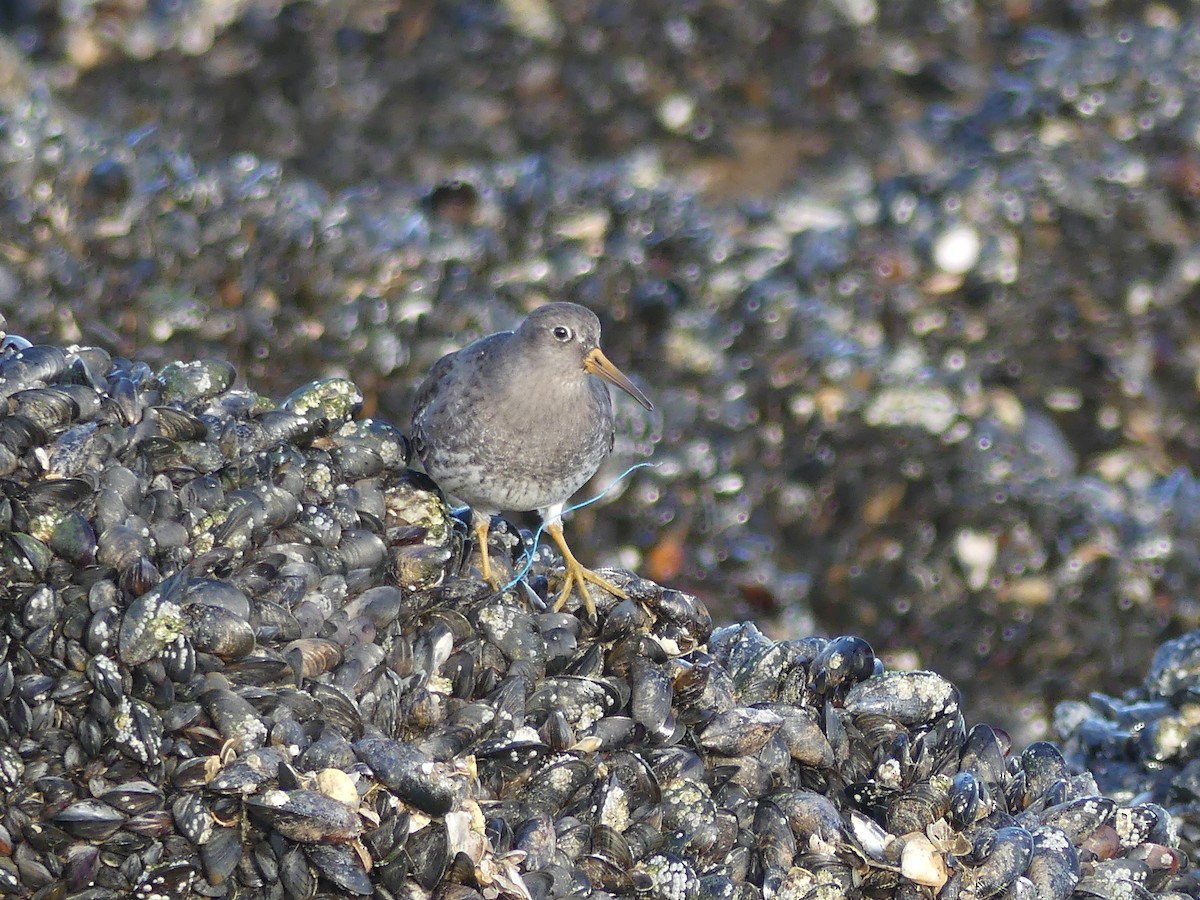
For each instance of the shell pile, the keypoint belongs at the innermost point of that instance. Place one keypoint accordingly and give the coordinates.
(245, 654)
(910, 283)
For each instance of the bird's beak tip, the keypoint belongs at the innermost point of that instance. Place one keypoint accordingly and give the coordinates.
(596, 363)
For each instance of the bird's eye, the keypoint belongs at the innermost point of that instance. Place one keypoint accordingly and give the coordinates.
(562, 333)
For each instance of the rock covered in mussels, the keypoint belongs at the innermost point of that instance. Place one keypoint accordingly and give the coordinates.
(1145, 744)
(245, 654)
(945, 360)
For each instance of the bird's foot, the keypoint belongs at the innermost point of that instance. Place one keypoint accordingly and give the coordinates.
(577, 576)
(492, 577)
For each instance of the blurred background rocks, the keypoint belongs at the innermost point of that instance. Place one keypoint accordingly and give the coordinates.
(911, 285)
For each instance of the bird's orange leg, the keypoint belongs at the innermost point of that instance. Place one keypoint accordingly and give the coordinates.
(578, 575)
(482, 525)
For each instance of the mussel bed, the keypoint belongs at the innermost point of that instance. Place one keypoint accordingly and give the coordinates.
(246, 652)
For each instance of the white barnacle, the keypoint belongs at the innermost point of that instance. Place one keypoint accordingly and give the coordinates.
(167, 623)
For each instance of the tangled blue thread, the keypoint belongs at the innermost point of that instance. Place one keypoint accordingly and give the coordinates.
(570, 509)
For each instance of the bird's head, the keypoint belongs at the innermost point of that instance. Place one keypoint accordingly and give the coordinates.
(570, 334)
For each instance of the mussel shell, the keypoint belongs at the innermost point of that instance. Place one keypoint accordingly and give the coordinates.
(55, 495)
(152, 620)
(82, 864)
(247, 773)
(279, 426)
(220, 854)
(415, 777)
(219, 593)
(382, 438)
(296, 875)
(740, 731)
(1009, 852)
(1054, 864)
(174, 879)
(650, 703)
(235, 719)
(74, 540)
(49, 407)
(361, 548)
(219, 631)
(193, 818)
(188, 382)
(556, 781)
(606, 874)
(306, 816)
(382, 604)
(918, 806)
(91, 820)
(335, 400)
(984, 755)
(583, 700)
(911, 698)
(1081, 817)
(40, 362)
(338, 709)
(137, 730)
(19, 433)
(427, 855)
(310, 657)
(1042, 764)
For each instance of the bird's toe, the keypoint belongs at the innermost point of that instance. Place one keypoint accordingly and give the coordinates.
(576, 578)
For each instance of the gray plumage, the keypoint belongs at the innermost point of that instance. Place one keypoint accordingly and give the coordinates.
(520, 420)
(514, 421)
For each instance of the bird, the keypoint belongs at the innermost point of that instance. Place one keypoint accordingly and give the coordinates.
(519, 421)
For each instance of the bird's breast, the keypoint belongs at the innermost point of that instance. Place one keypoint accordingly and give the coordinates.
(518, 445)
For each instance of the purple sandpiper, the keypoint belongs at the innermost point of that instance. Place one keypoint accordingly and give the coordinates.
(515, 421)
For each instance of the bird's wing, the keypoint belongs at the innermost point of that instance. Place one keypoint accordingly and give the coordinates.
(426, 394)
(462, 363)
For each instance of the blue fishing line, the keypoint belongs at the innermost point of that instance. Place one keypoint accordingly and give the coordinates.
(570, 509)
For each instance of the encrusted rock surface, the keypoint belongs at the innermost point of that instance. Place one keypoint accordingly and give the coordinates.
(910, 283)
(246, 652)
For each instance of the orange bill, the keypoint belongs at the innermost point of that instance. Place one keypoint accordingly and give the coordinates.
(596, 363)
